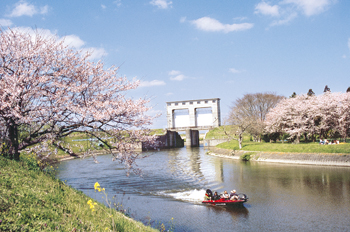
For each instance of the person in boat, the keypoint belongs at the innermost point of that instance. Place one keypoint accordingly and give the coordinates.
(225, 195)
(233, 195)
(208, 194)
(216, 196)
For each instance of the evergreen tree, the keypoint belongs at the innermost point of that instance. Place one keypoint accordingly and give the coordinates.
(311, 93)
(326, 89)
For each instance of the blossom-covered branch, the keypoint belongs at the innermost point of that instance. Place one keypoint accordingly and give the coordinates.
(49, 90)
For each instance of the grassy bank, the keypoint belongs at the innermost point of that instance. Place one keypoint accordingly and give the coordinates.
(32, 200)
(302, 147)
(287, 147)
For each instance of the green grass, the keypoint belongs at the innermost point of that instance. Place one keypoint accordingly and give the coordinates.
(216, 133)
(33, 200)
(219, 132)
(158, 132)
(287, 147)
(78, 143)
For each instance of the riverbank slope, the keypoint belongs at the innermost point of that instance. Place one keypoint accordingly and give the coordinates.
(333, 159)
(32, 200)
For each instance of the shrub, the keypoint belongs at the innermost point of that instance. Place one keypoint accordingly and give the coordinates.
(245, 157)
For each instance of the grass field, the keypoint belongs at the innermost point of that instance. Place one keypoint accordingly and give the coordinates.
(247, 145)
(287, 147)
(33, 200)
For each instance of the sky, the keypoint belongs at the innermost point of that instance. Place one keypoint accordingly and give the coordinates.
(200, 49)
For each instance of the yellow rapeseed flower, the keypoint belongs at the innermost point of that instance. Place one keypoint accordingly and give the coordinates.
(92, 205)
(97, 186)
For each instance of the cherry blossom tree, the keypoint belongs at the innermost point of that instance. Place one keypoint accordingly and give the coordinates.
(324, 115)
(49, 90)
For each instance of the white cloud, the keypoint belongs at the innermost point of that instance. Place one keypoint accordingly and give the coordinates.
(22, 8)
(285, 20)
(174, 72)
(161, 4)
(95, 53)
(176, 75)
(182, 19)
(287, 10)
(118, 3)
(266, 9)
(42, 32)
(240, 18)
(103, 6)
(349, 43)
(210, 24)
(44, 9)
(73, 41)
(5, 22)
(233, 70)
(310, 7)
(69, 40)
(169, 94)
(151, 83)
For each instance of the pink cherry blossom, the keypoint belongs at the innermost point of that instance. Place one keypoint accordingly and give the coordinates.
(49, 90)
(323, 115)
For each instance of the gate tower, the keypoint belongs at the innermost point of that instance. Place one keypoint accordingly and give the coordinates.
(193, 115)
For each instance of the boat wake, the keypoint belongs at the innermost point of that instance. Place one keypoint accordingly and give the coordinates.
(195, 195)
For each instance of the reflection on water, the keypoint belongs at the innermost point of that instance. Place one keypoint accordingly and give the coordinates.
(173, 183)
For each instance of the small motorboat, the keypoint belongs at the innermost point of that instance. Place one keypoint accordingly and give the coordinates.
(225, 202)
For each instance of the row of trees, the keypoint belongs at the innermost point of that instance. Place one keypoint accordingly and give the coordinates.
(49, 90)
(326, 115)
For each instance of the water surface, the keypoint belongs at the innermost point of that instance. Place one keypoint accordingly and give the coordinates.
(282, 197)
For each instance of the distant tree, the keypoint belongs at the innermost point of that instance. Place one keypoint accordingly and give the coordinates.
(326, 89)
(247, 114)
(293, 95)
(48, 91)
(348, 90)
(310, 93)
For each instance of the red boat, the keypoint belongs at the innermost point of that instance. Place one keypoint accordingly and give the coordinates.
(223, 202)
(226, 202)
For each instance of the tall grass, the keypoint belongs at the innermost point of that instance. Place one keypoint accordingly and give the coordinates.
(33, 200)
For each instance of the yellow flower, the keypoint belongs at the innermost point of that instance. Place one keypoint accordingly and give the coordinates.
(92, 205)
(97, 186)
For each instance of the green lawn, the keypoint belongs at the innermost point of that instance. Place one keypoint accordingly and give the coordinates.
(287, 147)
(32, 200)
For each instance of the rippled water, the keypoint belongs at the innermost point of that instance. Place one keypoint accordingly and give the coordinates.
(281, 197)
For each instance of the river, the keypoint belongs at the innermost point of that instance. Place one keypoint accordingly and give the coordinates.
(282, 197)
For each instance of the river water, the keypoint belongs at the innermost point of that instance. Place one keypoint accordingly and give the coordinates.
(282, 197)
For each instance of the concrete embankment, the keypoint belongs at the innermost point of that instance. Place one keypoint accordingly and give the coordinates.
(290, 158)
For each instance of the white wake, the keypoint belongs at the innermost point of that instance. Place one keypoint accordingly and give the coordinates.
(195, 195)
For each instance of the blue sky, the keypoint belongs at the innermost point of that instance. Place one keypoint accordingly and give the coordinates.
(183, 50)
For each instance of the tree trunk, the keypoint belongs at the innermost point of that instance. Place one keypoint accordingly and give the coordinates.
(240, 141)
(13, 134)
